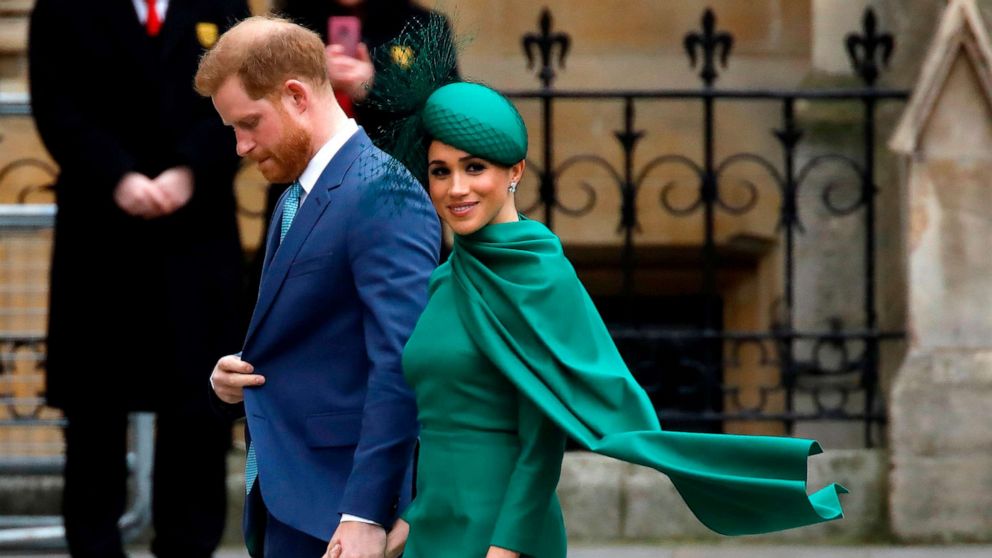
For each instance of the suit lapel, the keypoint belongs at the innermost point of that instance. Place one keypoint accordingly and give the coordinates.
(277, 267)
(124, 18)
(272, 233)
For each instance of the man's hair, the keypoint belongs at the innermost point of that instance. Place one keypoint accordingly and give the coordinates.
(264, 51)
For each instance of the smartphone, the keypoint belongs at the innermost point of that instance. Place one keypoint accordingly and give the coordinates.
(345, 31)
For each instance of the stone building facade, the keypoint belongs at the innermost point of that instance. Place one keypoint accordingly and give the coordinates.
(932, 210)
(941, 402)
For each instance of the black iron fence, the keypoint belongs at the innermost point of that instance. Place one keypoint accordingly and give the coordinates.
(683, 367)
(829, 373)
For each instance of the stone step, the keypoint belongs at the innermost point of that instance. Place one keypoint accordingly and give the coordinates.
(604, 500)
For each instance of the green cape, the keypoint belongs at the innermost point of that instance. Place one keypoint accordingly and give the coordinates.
(524, 307)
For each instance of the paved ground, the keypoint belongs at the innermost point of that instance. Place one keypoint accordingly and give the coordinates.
(747, 551)
(708, 551)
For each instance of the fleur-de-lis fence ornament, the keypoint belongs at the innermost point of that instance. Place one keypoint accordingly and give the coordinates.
(710, 41)
(546, 42)
(865, 49)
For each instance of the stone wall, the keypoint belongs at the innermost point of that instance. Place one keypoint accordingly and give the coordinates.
(604, 499)
(942, 397)
(638, 44)
(13, 44)
(943, 390)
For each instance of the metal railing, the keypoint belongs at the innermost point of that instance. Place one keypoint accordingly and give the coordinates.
(683, 366)
(31, 443)
(827, 371)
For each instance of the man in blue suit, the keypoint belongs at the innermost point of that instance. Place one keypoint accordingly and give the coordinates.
(351, 246)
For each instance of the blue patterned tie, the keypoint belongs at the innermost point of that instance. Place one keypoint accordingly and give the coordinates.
(289, 209)
(251, 469)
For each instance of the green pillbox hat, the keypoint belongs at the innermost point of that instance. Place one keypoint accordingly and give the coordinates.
(477, 120)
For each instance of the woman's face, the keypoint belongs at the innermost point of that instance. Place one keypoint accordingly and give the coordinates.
(470, 192)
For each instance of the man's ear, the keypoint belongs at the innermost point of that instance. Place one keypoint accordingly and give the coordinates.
(297, 95)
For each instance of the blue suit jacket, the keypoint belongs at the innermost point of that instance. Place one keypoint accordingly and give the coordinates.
(334, 425)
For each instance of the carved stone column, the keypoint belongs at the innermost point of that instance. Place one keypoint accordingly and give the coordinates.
(941, 406)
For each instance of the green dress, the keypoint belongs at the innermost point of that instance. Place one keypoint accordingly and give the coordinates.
(508, 358)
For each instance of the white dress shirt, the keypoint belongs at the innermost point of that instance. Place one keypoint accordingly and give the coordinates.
(141, 6)
(307, 180)
(324, 155)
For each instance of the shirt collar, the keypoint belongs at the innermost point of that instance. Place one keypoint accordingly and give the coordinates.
(141, 7)
(324, 155)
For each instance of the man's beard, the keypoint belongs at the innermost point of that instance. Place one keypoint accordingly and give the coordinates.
(288, 159)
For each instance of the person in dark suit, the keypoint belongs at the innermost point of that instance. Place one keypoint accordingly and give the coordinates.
(351, 246)
(351, 76)
(146, 244)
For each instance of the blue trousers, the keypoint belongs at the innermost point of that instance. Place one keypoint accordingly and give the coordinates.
(280, 540)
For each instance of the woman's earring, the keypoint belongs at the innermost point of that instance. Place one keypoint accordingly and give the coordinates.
(513, 187)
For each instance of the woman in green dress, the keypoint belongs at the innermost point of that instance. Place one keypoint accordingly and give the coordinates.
(490, 458)
(510, 356)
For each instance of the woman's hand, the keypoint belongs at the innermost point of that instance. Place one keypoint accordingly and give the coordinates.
(352, 76)
(396, 541)
(497, 552)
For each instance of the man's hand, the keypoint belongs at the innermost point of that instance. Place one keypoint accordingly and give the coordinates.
(176, 185)
(231, 376)
(138, 196)
(354, 539)
(352, 76)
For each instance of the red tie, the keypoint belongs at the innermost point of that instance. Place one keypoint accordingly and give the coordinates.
(154, 23)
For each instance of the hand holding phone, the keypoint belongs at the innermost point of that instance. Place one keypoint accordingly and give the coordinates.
(345, 31)
(348, 61)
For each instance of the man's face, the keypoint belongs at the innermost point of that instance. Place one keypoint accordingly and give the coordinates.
(265, 131)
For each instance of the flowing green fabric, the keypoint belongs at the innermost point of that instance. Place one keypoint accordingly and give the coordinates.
(524, 307)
